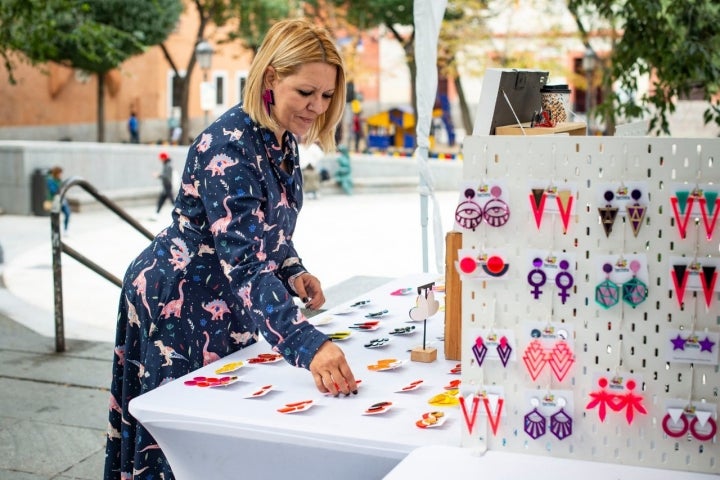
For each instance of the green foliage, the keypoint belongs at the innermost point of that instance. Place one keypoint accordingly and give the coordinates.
(675, 42)
(254, 18)
(93, 35)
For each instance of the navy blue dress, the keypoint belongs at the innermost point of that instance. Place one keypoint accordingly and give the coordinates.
(210, 282)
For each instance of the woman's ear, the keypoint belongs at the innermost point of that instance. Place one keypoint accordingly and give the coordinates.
(270, 77)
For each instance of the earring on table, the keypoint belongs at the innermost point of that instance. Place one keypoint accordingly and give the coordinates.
(564, 280)
(608, 213)
(469, 214)
(607, 293)
(634, 290)
(537, 277)
(636, 211)
(496, 212)
(268, 98)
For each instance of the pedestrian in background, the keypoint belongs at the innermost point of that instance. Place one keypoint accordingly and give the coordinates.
(165, 175)
(134, 128)
(226, 269)
(54, 181)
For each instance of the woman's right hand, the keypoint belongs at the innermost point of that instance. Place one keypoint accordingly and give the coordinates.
(331, 371)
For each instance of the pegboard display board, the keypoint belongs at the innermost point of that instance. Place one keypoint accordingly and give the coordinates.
(518, 350)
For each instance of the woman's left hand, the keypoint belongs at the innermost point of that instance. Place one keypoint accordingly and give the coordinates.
(308, 288)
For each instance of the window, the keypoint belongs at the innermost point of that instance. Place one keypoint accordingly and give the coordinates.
(173, 91)
(241, 81)
(220, 83)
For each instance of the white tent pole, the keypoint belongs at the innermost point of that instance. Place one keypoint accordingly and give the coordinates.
(428, 15)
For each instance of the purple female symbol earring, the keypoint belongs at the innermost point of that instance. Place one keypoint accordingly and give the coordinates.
(268, 99)
(564, 280)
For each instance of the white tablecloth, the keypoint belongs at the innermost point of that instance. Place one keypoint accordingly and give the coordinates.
(216, 433)
(445, 462)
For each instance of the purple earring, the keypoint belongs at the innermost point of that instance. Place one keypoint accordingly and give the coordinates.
(468, 213)
(564, 280)
(537, 277)
(268, 99)
(496, 212)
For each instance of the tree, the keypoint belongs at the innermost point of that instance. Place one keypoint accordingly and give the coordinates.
(247, 22)
(676, 43)
(94, 36)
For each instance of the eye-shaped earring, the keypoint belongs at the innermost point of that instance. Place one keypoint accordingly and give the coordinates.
(496, 212)
(469, 214)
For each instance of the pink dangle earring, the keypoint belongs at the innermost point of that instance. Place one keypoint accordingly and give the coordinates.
(268, 99)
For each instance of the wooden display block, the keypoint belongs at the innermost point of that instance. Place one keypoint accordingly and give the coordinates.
(453, 297)
(425, 355)
(571, 128)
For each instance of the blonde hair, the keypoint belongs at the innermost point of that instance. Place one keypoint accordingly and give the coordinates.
(288, 45)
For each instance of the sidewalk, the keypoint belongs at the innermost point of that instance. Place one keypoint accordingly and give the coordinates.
(53, 407)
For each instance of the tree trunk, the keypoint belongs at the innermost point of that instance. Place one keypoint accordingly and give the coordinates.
(101, 108)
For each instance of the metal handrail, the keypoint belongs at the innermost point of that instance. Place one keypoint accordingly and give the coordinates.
(59, 247)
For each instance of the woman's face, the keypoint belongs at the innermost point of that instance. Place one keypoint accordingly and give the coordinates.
(301, 97)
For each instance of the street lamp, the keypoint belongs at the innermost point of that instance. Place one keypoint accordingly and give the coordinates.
(204, 53)
(589, 63)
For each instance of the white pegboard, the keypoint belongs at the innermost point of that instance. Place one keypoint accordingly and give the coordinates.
(619, 341)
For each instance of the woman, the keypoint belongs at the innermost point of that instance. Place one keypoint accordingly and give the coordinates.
(226, 268)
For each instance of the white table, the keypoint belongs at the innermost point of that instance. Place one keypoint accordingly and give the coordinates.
(217, 433)
(447, 462)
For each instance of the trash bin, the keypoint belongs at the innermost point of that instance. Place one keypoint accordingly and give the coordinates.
(39, 192)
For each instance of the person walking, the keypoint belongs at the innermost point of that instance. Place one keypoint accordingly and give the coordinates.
(133, 128)
(165, 175)
(54, 181)
(226, 269)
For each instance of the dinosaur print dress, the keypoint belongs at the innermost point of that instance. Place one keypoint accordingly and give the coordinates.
(213, 280)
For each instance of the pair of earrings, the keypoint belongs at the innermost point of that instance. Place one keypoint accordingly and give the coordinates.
(634, 291)
(563, 199)
(560, 358)
(679, 422)
(535, 424)
(469, 214)
(706, 273)
(683, 203)
(502, 346)
(604, 399)
(563, 280)
(493, 404)
(635, 212)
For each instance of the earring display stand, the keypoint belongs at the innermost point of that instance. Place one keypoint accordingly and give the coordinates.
(629, 342)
